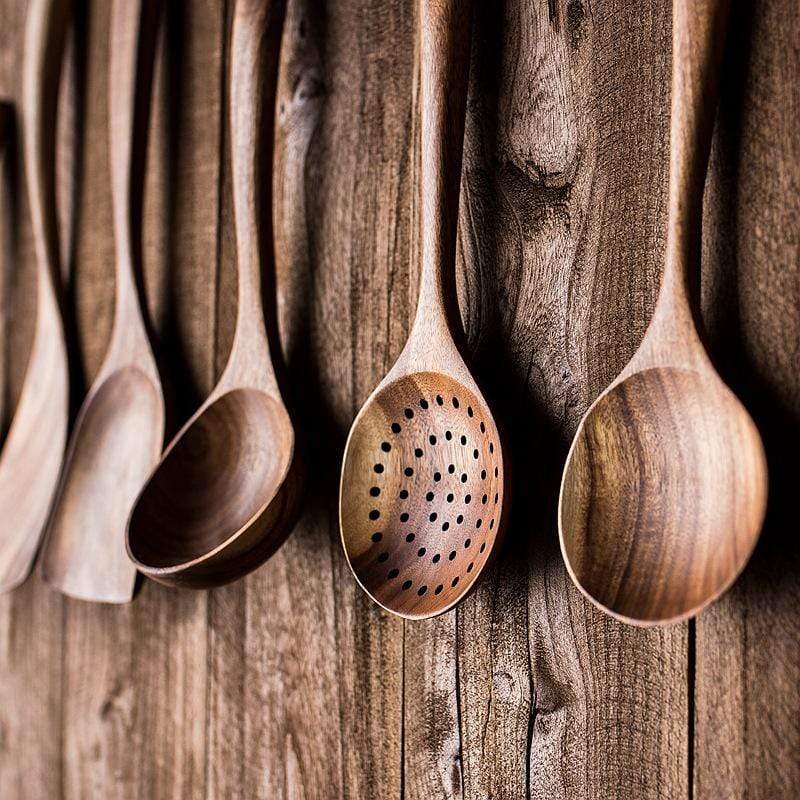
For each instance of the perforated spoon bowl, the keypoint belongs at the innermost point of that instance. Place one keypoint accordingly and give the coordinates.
(664, 491)
(224, 496)
(422, 489)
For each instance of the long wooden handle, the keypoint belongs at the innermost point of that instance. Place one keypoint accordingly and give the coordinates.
(444, 43)
(255, 48)
(130, 72)
(698, 32)
(45, 33)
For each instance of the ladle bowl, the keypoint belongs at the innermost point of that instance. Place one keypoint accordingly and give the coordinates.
(218, 492)
(422, 493)
(663, 495)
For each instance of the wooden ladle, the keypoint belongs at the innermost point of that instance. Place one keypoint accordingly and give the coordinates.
(224, 496)
(664, 491)
(422, 489)
(119, 431)
(34, 448)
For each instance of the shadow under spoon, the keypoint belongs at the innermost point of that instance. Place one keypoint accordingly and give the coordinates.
(223, 498)
(422, 500)
(34, 447)
(665, 487)
(119, 431)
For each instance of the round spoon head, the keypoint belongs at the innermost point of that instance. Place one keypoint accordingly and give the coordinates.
(222, 499)
(663, 496)
(421, 495)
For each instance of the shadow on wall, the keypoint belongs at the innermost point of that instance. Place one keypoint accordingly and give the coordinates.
(751, 282)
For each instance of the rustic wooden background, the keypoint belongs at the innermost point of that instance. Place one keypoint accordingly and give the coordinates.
(291, 684)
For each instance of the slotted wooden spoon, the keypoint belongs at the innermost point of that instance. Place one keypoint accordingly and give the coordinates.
(665, 487)
(119, 431)
(34, 448)
(422, 489)
(224, 496)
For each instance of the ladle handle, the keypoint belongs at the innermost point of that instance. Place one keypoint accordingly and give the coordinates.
(131, 53)
(45, 35)
(255, 48)
(444, 43)
(698, 33)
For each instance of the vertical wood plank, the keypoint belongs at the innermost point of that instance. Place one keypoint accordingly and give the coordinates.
(561, 230)
(747, 674)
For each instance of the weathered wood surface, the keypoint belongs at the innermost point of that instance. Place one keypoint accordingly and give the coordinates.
(291, 684)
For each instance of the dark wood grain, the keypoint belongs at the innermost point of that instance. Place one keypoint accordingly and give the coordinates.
(291, 683)
(747, 671)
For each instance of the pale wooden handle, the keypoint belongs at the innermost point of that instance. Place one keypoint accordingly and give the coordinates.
(697, 42)
(45, 32)
(444, 27)
(254, 71)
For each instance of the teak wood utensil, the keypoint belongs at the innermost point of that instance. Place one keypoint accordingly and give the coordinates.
(224, 496)
(34, 448)
(664, 491)
(422, 488)
(119, 430)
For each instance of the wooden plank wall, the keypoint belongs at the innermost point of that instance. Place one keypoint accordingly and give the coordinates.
(291, 684)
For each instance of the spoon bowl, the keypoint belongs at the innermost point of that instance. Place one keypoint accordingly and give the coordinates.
(219, 492)
(116, 440)
(663, 495)
(422, 493)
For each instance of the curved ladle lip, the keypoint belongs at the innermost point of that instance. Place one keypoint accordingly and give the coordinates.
(386, 384)
(694, 610)
(184, 566)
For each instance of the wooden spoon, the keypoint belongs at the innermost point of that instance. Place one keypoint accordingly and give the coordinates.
(119, 431)
(224, 496)
(422, 496)
(34, 448)
(665, 487)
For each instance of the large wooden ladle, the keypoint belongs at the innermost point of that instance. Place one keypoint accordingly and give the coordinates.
(224, 495)
(665, 487)
(119, 431)
(422, 489)
(34, 448)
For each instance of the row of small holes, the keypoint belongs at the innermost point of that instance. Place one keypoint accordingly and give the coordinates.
(408, 471)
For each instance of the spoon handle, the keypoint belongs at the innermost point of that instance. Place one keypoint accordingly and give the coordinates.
(131, 51)
(255, 48)
(698, 32)
(45, 34)
(444, 43)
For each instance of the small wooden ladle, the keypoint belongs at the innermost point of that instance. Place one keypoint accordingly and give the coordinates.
(224, 495)
(422, 489)
(34, 448)
(664, 491)
(119, 431)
